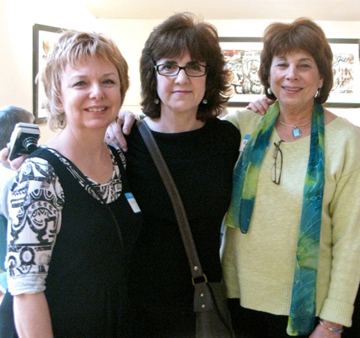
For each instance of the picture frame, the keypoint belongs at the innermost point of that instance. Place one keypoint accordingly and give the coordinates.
(242, 55)
(44, 38)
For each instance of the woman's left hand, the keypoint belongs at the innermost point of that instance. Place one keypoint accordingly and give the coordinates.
(261, 105)
(322, 332)
(115, 133)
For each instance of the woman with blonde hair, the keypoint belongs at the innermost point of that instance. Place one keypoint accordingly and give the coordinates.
(73, 219)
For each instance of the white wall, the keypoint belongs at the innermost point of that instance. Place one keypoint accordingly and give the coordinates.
(16, 20)
(18, 16)
(130, 36)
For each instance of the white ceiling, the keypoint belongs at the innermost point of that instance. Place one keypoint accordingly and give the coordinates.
(327, 10)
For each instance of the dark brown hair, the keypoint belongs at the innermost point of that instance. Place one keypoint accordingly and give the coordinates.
(176, 35)
(301, 35)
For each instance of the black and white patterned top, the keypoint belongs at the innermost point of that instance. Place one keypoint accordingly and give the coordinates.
(36, 203)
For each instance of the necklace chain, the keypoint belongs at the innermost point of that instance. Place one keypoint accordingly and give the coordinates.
(296, 131)
(294, 126)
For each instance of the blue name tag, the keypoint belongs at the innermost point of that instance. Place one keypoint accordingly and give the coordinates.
(243, 143)
(132, 202)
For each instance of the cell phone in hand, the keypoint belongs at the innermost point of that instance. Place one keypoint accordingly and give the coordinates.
(23, 140)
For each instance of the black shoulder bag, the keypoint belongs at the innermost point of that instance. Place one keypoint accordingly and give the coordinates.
(210, 301)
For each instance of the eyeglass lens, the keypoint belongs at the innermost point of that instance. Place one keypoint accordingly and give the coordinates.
(193, 69)
(278, 163)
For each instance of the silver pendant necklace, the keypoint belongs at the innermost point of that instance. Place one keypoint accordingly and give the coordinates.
(296, 131)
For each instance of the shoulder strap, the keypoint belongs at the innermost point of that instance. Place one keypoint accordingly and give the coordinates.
(185, 231)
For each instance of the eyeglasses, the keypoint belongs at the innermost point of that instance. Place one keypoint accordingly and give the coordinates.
(277, 167)
(191, 69)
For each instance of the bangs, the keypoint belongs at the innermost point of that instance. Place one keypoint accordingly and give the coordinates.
(175, 45)
(294, 39)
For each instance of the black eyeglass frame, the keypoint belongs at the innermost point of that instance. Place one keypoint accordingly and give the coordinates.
(156, 67)
(276, 178)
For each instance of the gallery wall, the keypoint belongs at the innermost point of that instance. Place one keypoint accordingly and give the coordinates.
(18, 16)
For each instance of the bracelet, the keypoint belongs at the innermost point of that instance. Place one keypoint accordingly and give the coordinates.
(330, 328)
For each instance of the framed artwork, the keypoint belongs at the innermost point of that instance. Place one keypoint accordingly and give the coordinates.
(44, 37)
(242, 57)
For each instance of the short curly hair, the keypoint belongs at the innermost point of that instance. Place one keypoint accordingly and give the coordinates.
(301, 35)
(180, 33)
(72, 47)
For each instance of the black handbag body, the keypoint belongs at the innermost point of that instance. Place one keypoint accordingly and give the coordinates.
(214, 321)
(210, 300)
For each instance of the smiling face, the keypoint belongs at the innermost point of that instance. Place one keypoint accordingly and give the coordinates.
(180, 93)
(294, 79)
(90, 94)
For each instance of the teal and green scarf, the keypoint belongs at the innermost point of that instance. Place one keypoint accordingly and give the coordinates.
(246, 174)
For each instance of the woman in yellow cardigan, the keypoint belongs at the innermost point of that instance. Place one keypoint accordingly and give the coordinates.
(291, 252)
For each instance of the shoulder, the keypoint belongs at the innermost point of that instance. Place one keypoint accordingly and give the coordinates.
(134, 134)
(343, 130)
(222, 125)
(35, 166)
(342, 139)
(244, 120)
(223, 130)
(36, 173)
(36, 180)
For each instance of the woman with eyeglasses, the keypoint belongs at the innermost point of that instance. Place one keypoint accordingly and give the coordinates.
(184, 87)
(291, 253)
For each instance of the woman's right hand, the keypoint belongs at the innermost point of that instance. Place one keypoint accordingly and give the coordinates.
(321, 332)
(115, 133)
(261, 105)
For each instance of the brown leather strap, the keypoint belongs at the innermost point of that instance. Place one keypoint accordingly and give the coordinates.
(184, 227)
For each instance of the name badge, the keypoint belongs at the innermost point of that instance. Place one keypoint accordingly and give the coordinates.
(243, 143)
(132, 202)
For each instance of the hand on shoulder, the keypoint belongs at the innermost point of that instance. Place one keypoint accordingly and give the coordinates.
(261, 105)
(115, 133)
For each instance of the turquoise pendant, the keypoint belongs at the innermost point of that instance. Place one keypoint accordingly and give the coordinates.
(296, 133)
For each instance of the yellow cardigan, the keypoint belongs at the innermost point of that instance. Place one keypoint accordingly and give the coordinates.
(258, 266)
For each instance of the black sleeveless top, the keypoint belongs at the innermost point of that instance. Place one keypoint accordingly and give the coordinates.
(86, 286)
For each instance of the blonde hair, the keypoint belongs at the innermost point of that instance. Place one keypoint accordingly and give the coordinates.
(72, 47)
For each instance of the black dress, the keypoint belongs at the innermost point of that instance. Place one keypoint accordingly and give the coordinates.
(86, 286)
(201, 163)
